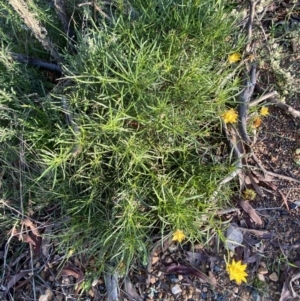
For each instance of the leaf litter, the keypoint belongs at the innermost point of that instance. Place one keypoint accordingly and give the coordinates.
(256, 243)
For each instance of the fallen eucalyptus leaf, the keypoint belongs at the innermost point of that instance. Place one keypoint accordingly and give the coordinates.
(252, 213)
(234, 237)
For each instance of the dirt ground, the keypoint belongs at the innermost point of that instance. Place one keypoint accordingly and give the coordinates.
(271, 250)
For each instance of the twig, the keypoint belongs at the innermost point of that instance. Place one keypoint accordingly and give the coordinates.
(249, 26)
(276, 175)
(261, 98)
(273, 208)
(244, 97)
(266, 172)
(253, 156)
(238, 163)
(40, 32)
(255, 186)
(32, 271)
(21, 169)
(229, 210)
(21, 58)
(284, 200)
(6, 251)
(288, 109)
(19, 213)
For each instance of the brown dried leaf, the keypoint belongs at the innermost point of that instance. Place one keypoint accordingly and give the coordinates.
(69, 271)
(28, 223)
(130, 290)
(285, 293)
(253, 181)
(264, 234)
(263, 178)
(76, 273)
(212, 278)
(198, 257)
(14, 280)
(27, 238)
(186, 270)
(252, 213)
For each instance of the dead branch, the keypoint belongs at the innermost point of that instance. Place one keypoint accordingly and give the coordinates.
(249, 82)
(238, 163)
(256, 101)
(249, 26)
(39, 31)
(21, 58)
(274, 101)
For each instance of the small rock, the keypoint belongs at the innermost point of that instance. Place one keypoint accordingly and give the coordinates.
(47, 296)
(155, 259)
(236, 290)
(168, 259)
(262, 270)
(273, 277)
(152, 279)
(255, 295)
(263, 264)
(38, 264)
(59, 297)
(216, 269)
(204, 289)
(176, 289)
(261, 277)
(204, 295)
(180, 277)
(219, 297)
(51, 278)
(172, 278)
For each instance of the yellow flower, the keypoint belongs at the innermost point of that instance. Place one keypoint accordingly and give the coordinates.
(233, 58)
(236, 271)
(178, 236)
(230, 116)
(264, 111)
(249, 194)
(256, 122)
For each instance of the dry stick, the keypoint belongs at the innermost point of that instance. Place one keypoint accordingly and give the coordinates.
(40, 32)
(252, 5)
(238, 163)
(227, 211)
(21, 169)
(3, 202)
(288, 109)
(243, 99)
(273, 174)
(249, 83)
(284, 200)
(32, 271)
(6, 249)
(261, 98)
(21, 58)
